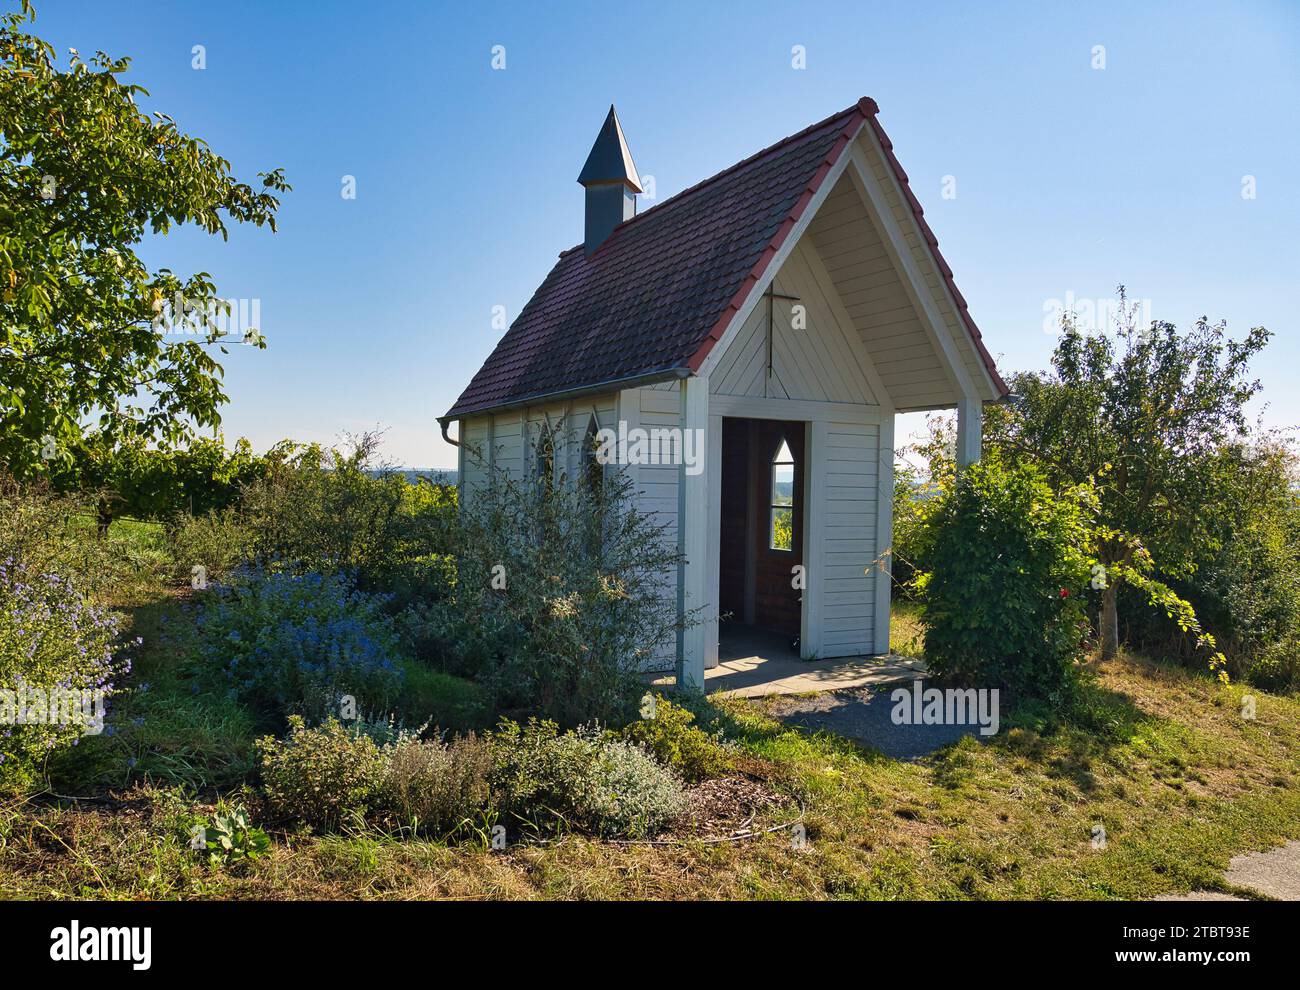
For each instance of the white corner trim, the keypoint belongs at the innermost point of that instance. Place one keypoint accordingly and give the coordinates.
(713, 462)
(814, 543)
(970, 429)
(693, 541)
(884, 576)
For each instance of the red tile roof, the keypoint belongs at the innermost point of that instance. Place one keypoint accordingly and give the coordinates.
(659, 293)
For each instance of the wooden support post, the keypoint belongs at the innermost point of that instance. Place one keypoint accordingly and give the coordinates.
(753, 495)
(713, 455)
(693, 533)
(970, 426)
(884, 575)
(814, 541)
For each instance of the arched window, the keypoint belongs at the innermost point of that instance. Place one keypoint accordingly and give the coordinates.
(781, 501)
(593, 471)
(544, 459)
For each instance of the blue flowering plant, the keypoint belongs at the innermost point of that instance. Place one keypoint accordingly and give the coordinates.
(308, 644)
(60, 661)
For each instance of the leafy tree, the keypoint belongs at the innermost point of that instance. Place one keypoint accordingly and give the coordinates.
(911, 491)
(84, 175)
(1146, 416)
(158, 483)
(1246, 580)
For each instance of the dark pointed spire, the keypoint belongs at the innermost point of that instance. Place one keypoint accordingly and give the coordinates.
(610, 161)
(611, 182)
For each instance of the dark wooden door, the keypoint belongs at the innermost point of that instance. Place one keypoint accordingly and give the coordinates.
(777, 482)
(762, 523)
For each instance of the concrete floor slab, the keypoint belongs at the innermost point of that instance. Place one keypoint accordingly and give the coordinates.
(754, 664)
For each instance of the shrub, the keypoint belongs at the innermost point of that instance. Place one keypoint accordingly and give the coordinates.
(321, 776)
(1006, 564)
(561, 596)
(609, 787)
(130, 477)
(435, 786)
(1276, 667)
(231, 838)
(911, 492)
(324, 510)
(218, 542)
(413, 581)
(667, 733)
(1245, 582)
(56, 651)
(297, 644)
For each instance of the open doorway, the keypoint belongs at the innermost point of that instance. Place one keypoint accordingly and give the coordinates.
(761, 536)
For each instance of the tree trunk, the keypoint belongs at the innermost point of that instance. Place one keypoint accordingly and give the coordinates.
(1109, 623)
(104, 517)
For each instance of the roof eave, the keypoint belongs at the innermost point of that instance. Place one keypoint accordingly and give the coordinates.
(597, 388)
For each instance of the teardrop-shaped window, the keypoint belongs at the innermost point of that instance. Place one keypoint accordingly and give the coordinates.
(781, 526)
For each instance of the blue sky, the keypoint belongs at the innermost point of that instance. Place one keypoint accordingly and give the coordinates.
(1069, 179)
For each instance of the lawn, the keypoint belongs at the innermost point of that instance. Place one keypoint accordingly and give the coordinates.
(1163, 761)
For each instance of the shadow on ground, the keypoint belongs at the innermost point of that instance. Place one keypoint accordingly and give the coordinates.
(865, 716)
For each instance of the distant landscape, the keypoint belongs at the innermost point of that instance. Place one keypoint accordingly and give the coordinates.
(439, 476)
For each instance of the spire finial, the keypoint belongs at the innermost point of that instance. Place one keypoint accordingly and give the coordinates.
(609, 160)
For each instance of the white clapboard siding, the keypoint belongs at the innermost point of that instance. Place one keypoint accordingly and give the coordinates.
(820, 362)
(507, 440)
(656, 485)
(847, 549)
(476, 441)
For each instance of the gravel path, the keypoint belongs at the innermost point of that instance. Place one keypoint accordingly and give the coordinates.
(863, 714)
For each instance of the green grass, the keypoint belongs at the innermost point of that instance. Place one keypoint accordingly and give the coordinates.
(166, 730)
(906, 630)
(1158, 757)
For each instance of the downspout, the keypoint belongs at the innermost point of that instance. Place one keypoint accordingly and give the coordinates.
(444, 423)
(460, 457)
